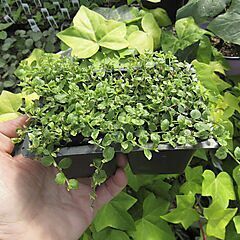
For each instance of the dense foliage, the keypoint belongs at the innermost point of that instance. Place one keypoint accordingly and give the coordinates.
(202, 203)
(140, 101)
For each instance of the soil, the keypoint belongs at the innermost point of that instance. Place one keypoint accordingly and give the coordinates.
(227, 49)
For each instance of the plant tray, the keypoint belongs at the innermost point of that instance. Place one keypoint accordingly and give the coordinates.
(168, 160)
(234, 64)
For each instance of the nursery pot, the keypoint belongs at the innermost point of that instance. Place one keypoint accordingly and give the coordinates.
(82, 157)
(170, 6)
(234, 64)
(167, 160)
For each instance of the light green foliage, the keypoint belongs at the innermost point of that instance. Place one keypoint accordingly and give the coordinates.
(218, 218)
(10, 104)
(187, 33)
(236, 176)
(193, 184)
(117, 114)
(150, 226)
(140, 41)
(110, 234)
(184, 213)
(151, 27)
(208, 77)
(115, 214)
(236, 221)
(220, 188)
(90, 31)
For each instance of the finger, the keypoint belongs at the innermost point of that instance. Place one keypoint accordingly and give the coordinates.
(6, 144)
(111, 188)
(122, 160)
(9, 128)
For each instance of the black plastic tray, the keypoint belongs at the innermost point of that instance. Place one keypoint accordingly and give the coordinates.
(167, 161)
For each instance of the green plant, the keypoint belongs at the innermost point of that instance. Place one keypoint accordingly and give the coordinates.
(142, 104)
(223, 15)
(92, 33)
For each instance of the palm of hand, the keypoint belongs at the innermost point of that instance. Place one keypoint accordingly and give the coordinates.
(31, 199)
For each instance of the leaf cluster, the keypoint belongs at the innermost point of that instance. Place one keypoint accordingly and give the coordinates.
(145, 101)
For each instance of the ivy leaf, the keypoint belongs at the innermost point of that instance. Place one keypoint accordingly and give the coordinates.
(207, 76)
(110, 233)
(218, 218)
(90, 31)
(151, 27)
(154, 207)
(220, 188)
(108, 153)
(65, 163)
(60, 179)
(115, 215)
(226, 26)
(188, 32)
(236, 221)
(161, 17)
(141, 41)
(10, 104)
(184, 213)
(150, 226)
(147, 230)
(236, 176)
(193, 184)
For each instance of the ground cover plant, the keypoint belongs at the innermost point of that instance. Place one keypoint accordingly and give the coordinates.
(102, 103)
(202, 203)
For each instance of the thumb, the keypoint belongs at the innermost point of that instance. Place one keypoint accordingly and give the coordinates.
(9, 128)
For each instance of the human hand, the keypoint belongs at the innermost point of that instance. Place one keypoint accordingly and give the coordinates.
(33, 206)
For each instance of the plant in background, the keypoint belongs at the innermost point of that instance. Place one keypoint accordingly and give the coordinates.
(17, 46)
(222, 19)
(92, 33)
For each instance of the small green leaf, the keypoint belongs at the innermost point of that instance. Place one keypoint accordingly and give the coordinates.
(60, 178)
(147, 154)
(73, 184)
(165, 125)
(47, 161)
(155, 137)
(65, 163)
(218, 219)
(221, 153)
(195, 114)
(108, 153)
(95, 134)
(237, 153)
(138, 122)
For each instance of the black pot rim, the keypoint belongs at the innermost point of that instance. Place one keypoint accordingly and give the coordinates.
(232, 58)
(91, 149)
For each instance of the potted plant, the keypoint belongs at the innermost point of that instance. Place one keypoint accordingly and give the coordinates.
(149, 107)
(220, 19)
